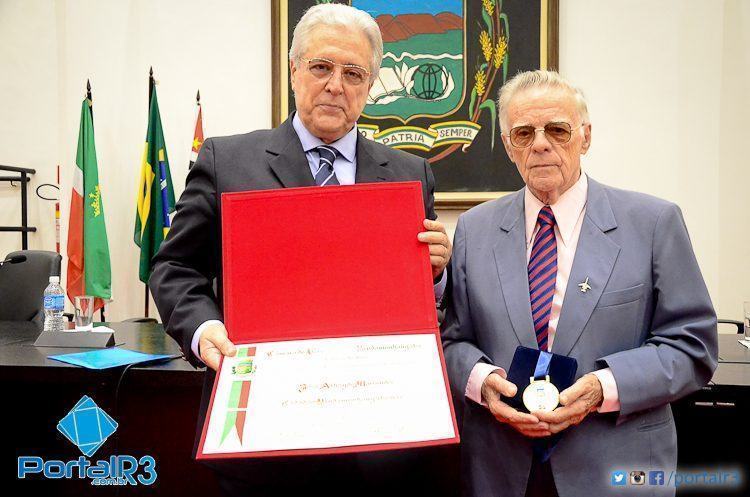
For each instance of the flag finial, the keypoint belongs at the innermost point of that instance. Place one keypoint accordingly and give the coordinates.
(151, 84)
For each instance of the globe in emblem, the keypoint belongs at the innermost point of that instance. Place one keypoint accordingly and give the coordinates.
(429, 81)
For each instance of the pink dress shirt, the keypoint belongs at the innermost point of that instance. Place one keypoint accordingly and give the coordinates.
(569, 211)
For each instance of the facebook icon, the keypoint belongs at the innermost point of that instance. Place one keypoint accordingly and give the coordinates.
(656, 477)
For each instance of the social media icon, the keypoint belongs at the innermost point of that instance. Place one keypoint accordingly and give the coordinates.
(619, 478)
(637, 478)
(656, 477)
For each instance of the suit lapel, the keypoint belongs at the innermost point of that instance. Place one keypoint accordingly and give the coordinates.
(510, 261)
(595, 258)
(286, 157)
(372, 165)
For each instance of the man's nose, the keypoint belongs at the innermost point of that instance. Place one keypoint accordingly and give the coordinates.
(540, 143)
(335, 84)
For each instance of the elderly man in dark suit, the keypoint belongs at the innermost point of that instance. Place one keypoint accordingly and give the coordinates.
(334, 58)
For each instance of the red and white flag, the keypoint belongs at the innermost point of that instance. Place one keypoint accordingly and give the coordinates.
(198, 136)
(89, 270)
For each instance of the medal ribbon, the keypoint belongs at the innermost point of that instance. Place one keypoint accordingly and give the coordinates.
(543, 447)
(542, 365)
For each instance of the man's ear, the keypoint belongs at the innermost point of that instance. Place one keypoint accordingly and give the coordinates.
(507, 145)
(292, 73)
(586, 139)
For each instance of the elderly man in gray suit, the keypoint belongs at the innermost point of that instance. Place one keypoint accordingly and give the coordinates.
(584, 270)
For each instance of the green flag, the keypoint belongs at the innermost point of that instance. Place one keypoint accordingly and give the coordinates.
(89, 271)
(155, 193)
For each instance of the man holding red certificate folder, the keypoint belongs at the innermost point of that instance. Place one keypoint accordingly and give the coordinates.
(334, 58)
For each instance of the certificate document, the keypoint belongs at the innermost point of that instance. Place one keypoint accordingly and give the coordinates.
(329, 393)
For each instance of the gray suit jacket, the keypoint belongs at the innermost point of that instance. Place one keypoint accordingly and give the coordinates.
(648, 317)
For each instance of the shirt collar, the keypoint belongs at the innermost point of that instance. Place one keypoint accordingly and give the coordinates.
(567, 209)
(346, 145)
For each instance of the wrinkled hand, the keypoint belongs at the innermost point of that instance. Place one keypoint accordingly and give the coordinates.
(527, 424)
(583, 397)
(215, 343)
(440, 245)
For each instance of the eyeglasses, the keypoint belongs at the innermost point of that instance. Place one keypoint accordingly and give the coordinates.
(323, 69)
(559, 133)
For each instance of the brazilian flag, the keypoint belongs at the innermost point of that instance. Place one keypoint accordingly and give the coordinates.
(155, 192)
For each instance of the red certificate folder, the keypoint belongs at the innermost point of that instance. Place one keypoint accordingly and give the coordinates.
(339, 261)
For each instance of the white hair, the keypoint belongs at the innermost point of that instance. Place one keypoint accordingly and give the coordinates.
(336, 14)
(538, 79)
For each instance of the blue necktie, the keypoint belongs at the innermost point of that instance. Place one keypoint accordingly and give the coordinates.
(542, 280)
(543, 275)
(325, 175)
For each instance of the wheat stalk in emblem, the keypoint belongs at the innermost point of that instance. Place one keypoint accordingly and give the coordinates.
(493, 41)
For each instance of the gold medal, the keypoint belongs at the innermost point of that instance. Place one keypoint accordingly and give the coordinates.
(541, 395)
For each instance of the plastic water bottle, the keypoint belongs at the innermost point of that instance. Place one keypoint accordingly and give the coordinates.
(54, 305)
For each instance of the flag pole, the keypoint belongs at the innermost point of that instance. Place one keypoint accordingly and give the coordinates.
(91, 109)
(151, 83)
(57, 213)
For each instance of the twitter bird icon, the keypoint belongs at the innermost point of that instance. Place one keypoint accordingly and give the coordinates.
(619, 478)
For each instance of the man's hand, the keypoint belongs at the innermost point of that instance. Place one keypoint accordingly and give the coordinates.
(440, 245)
(583, 397)
(213, 344)
(527, 424)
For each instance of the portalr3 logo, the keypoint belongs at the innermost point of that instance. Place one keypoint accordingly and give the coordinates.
(88, 426)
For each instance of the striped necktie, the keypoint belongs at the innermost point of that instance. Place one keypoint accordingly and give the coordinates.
(325, 175)
(543, 275)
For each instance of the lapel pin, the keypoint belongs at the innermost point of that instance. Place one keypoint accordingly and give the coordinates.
(585, 287)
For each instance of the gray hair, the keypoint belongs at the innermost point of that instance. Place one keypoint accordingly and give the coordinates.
(336, 14)
(538, 79)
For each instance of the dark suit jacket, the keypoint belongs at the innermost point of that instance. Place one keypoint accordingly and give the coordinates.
(189, 260)
(190, 257)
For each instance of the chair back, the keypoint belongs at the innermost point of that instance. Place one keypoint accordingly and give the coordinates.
(22, 285)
